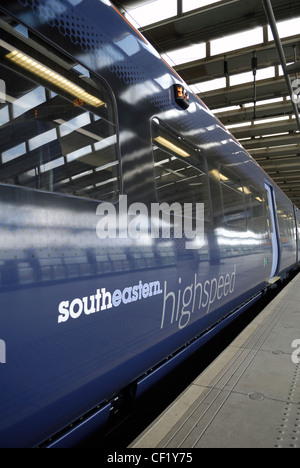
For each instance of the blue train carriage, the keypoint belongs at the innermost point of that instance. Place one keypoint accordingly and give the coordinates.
(92, 117)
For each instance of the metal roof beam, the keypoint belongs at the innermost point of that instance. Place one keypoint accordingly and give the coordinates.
(272, 21)
(214, 21)
(284, 173)
(272, 128)
(239, 61)
(245, 114)
(242, 94)
(271, 154)
(287, 162)
(294, 68)
(274, 142)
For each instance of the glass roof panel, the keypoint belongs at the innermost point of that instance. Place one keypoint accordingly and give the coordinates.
(152, 12)
(188, 5)
(287, 28)
(186, 54)
(207, 86)
(237, 41)
(247, 77)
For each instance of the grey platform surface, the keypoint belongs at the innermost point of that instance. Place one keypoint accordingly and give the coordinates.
(249, 397)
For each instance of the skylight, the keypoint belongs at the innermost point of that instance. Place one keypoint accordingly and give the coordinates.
(235, 80)
(207, 86)
(257, 122)
(185, 55)
(287, 28)
(188, 5)
(247, 77)
(273, 120)
(238, 125)
(237, 41)
(226, 109)
(152, 12)
(265, 102)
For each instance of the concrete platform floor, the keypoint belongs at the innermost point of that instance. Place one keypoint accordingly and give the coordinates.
(249, 397)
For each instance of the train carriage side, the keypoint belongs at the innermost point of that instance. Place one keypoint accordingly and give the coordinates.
(297, 231)
(287, 237)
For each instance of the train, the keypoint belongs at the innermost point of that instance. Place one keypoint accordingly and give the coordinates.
(100, 298)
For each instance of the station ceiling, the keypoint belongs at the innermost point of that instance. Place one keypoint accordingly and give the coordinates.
(222, 73)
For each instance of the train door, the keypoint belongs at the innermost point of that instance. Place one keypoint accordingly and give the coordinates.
(275, 241)
(297, 232)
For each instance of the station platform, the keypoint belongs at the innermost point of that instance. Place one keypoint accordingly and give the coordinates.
(249, 397)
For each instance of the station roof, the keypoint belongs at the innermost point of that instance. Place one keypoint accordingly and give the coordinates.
(211, 44)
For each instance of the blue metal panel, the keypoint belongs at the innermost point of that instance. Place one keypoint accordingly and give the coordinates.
(82, 430)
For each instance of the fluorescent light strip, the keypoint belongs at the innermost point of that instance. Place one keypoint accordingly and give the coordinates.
(244, 190)
(49, 75)
(217, 175)
(162, 141)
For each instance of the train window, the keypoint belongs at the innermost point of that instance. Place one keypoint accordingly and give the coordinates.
(58, 128)
(233, 197)
(287, 222)
(257, 210)
(180, 169)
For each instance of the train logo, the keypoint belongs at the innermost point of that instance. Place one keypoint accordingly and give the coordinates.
(2, 352)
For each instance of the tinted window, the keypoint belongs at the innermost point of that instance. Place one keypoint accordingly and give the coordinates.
(57, 128)
(180, 170)
(257, 210)
(233, 197)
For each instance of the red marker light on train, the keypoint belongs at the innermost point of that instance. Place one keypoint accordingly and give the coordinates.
(180, 92)
(182, 96)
